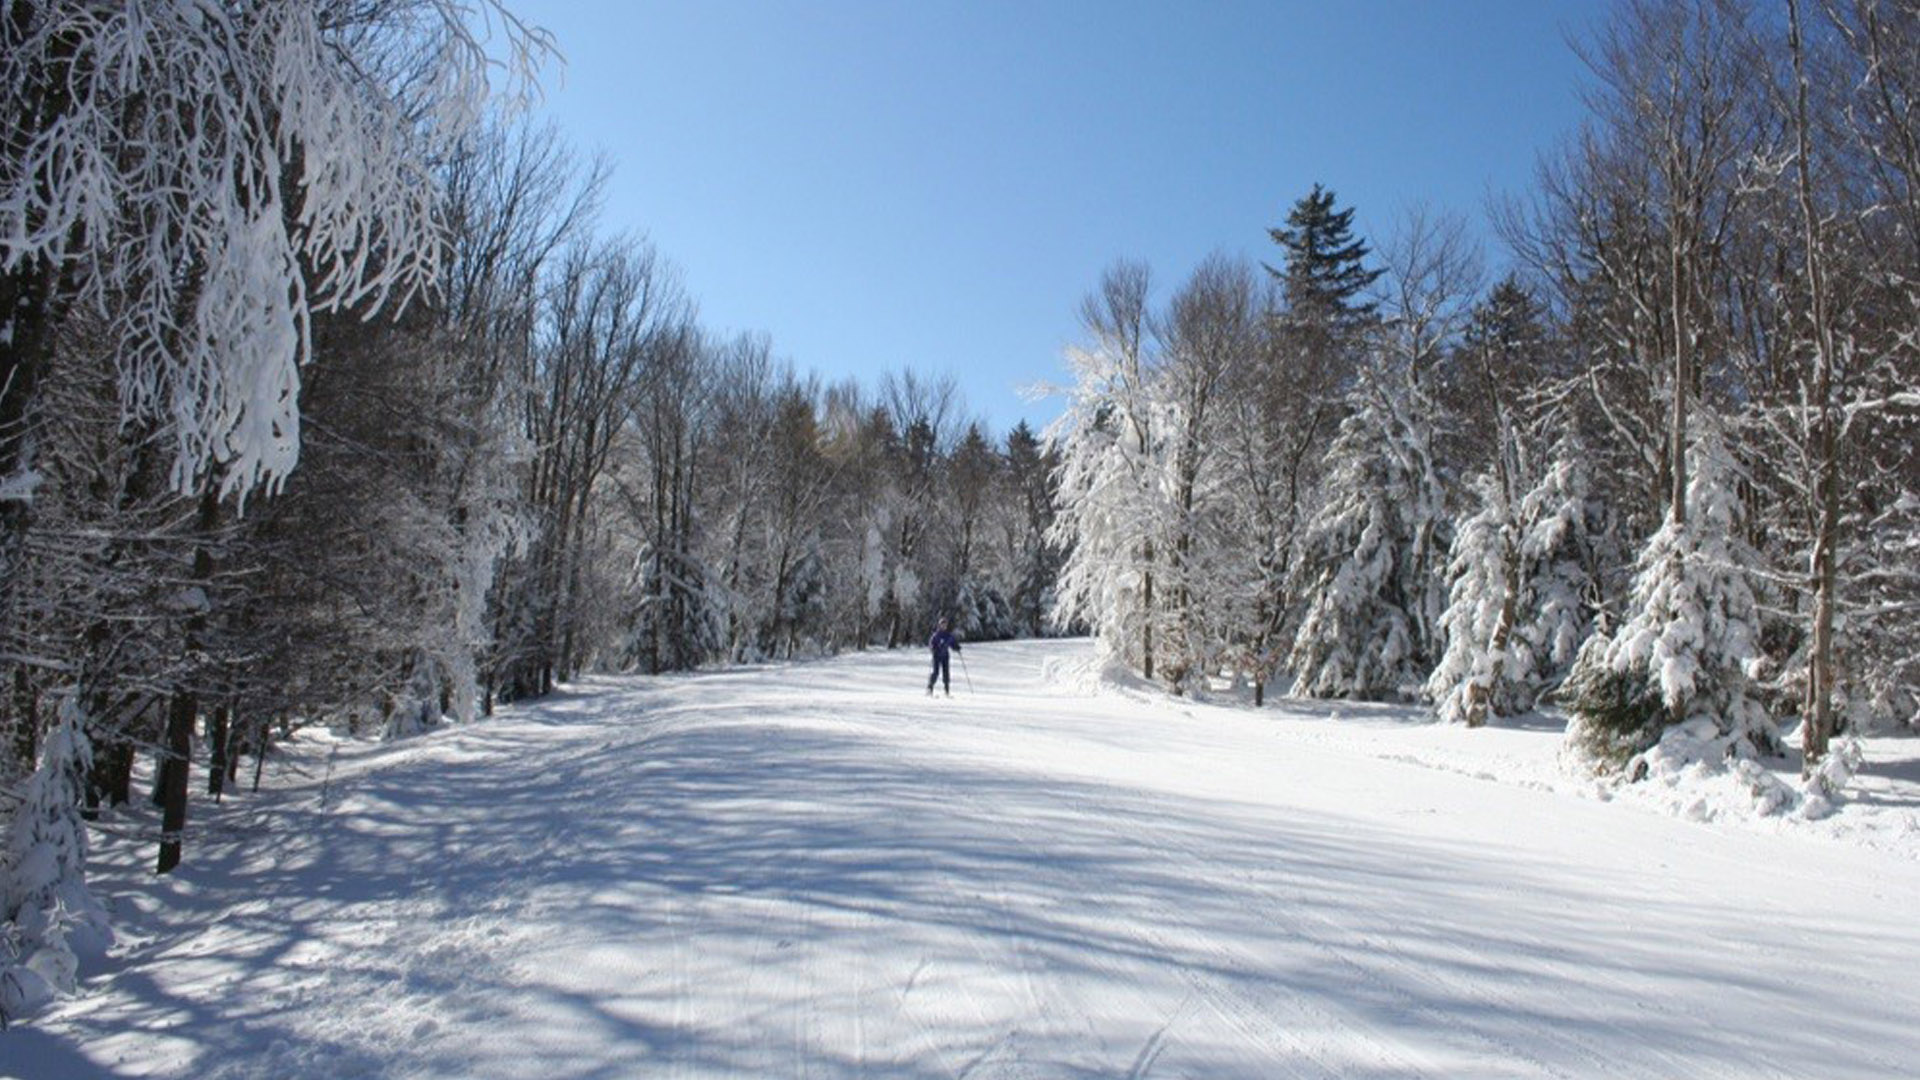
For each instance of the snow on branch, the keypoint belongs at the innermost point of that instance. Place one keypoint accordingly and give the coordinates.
(208, 176)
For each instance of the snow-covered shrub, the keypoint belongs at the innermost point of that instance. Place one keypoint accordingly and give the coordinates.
(413, 715)
(679, 621)
(45, 907)
(1612, 714)
(1823, 789)
(1688, 771)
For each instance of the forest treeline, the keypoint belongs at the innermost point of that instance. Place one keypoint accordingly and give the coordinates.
(1665, 472)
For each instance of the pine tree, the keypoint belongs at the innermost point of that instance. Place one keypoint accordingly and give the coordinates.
(1506, 352)
(45, 906)
(1679, 663)
(1034, 560)
(1565, 549)
(1324, 268)
(1372, 570)
(1525, 576)
(1485, 668)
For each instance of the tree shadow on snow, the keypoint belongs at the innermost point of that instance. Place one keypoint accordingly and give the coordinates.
(743, 851)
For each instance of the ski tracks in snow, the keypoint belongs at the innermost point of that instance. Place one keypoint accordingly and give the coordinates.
(804, 871)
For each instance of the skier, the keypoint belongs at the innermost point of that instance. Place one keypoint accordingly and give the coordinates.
(943, 640)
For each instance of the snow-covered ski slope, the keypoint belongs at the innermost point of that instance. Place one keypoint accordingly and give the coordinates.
(814, 871)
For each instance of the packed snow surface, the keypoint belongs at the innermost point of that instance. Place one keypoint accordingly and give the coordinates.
(813, 870)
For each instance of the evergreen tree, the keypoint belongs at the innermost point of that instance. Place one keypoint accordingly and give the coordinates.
(1525, 578)
(1507, 352)
(1373, 572)
(1679, 663)
(1484, 670)
(1034, 560)
(45, 905)
(1324, 268)
(1566, 548)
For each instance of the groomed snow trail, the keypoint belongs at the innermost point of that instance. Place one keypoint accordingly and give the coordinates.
(813, 871)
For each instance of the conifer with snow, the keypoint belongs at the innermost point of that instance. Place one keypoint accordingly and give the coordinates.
(1565, 548)
(45, 905)
(1680, 662)
(1485, 669)
(1525, 575)
(1374, 584)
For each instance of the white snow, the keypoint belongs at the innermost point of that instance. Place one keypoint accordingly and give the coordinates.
(812, 870)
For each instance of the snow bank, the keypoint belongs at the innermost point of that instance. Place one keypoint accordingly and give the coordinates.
(1867, 794)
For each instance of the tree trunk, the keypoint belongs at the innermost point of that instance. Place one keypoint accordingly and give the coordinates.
(26, 343)
(1817, 732)
(261, 741)
(1146, 620)
(118, 776)
(178, 749)
(219, 734)
(233, 751)
(184, 707)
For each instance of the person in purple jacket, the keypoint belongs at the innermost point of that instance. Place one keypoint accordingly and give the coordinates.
(943, 640)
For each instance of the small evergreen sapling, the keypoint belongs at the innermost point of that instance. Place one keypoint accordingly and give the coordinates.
(45, 906)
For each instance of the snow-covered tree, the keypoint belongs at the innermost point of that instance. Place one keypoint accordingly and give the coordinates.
(1373, 564)
(1565, 551)
(45, 905)
(1526, 576)
(1208, 336)
(1485, 670)
(1108, 510)
(1684, 652)
(796, 524)
(211, 175)
(1030, 558)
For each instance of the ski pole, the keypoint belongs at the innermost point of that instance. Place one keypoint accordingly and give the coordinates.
(963, 669)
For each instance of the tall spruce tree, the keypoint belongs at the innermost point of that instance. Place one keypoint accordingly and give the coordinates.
(1324, 270)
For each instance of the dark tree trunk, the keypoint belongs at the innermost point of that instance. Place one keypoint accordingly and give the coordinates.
(114, 763)
(181, 712)
(184, 706)
(262, 740)
(219, 736)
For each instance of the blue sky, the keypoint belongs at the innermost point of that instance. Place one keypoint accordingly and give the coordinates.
(934, 185)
